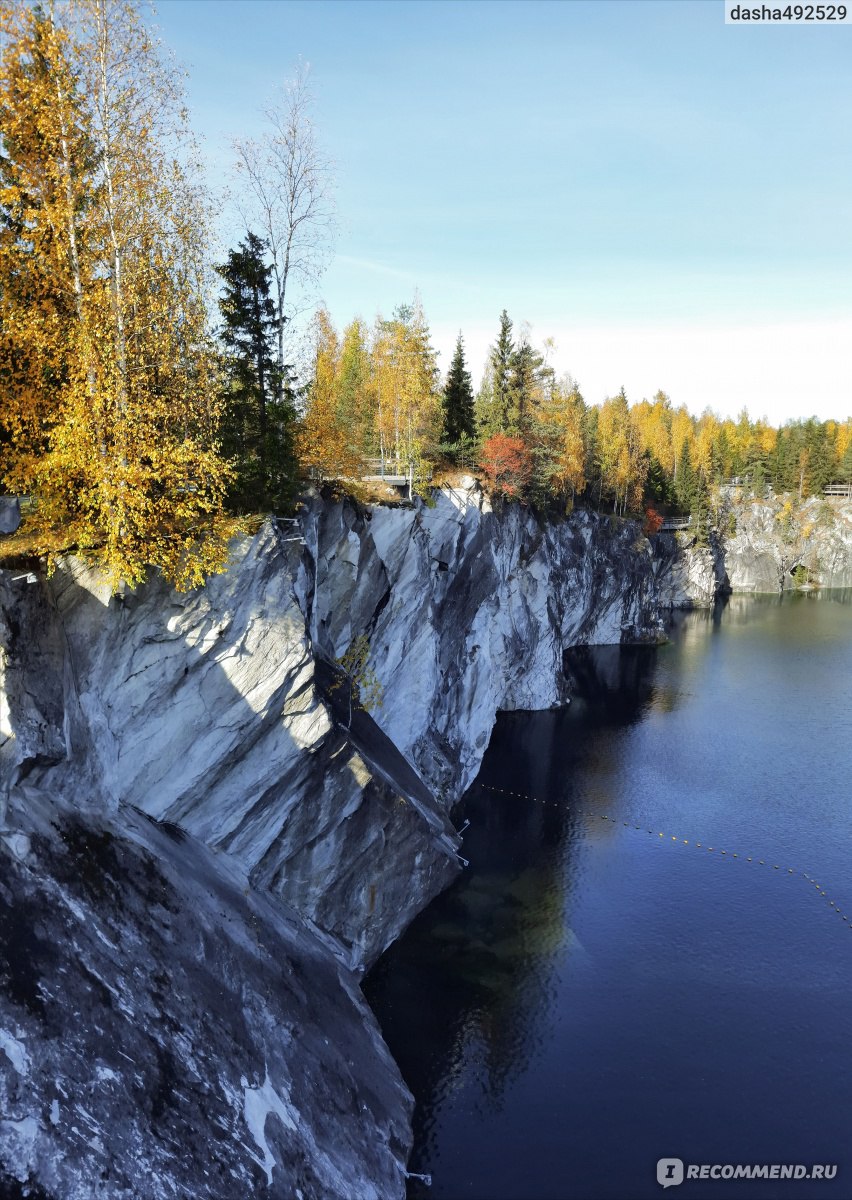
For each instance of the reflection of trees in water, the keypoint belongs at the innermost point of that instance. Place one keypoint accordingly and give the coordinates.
(744, 609)
(751, 609)
(512, 914)
(467, 987)
(759, 611)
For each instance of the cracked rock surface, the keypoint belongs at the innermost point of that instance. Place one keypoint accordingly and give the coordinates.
(199, 857)
(470, 611)
(202, 709)
(167, 1032)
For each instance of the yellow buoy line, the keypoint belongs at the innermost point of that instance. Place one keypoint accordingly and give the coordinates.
(751, 858)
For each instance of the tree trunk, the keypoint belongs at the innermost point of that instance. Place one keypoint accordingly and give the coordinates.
(117, 291)
(119, 429)
(261, 383)
(71, 230)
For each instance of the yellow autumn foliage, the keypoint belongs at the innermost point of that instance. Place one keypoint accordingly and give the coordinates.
(109, 412)
(323, 442)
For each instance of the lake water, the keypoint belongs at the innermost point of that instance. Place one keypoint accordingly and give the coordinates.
(590, 996)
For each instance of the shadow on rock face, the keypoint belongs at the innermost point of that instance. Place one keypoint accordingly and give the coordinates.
(25, 954)
(164, 1030)
(201, 710)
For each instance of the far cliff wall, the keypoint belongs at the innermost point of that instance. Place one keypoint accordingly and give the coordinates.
(469, 611)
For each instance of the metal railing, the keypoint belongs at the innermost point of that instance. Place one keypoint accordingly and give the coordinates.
(396, 472)
(389, 469)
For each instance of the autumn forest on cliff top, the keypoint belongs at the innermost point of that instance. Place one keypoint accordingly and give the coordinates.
(154, 393)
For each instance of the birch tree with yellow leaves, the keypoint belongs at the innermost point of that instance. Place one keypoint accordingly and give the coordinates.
(325, 444)
(405, 386)
(622, 463)
(110, 407)
(558, 447)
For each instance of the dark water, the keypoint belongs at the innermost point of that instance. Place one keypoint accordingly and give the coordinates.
(589, 997)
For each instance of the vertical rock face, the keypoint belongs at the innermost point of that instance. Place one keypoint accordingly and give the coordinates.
(201, 710)
(770, 538)
(688, 576)
(761, 542)
(166, 1032)
(469, 611)
(184, 1018)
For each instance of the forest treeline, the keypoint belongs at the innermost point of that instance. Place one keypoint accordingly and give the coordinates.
(376, 393)
(147, 390)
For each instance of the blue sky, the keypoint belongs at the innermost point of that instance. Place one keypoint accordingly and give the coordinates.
(669, 197)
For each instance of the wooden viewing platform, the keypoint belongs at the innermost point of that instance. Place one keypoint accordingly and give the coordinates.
(838, 491)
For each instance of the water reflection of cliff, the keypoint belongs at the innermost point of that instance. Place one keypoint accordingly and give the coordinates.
(609, 685)
(471, 976)
(462, 998)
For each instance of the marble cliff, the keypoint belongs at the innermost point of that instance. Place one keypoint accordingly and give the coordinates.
(200, 859)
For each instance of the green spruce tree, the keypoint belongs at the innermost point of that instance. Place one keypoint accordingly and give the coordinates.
(257, 430)
(459, 421)
(524, 367)
(494, 399)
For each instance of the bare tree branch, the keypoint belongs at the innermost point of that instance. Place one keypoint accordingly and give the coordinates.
(288, 195)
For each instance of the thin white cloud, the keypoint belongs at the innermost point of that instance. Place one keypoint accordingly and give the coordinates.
(378, 268)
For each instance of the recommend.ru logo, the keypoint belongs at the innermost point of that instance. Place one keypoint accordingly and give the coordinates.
(671, 1171)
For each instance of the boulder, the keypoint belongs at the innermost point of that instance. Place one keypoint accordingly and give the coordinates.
(10, 514)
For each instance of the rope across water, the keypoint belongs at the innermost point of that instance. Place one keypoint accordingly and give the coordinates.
(748, 858)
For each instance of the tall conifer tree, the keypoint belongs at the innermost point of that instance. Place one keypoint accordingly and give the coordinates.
(258, 425)
(459, 419)
(523, 390)
(493, 399)
(500, 362)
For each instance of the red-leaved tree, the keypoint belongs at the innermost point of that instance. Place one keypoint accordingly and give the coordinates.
(507, 464)
(653, 521)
